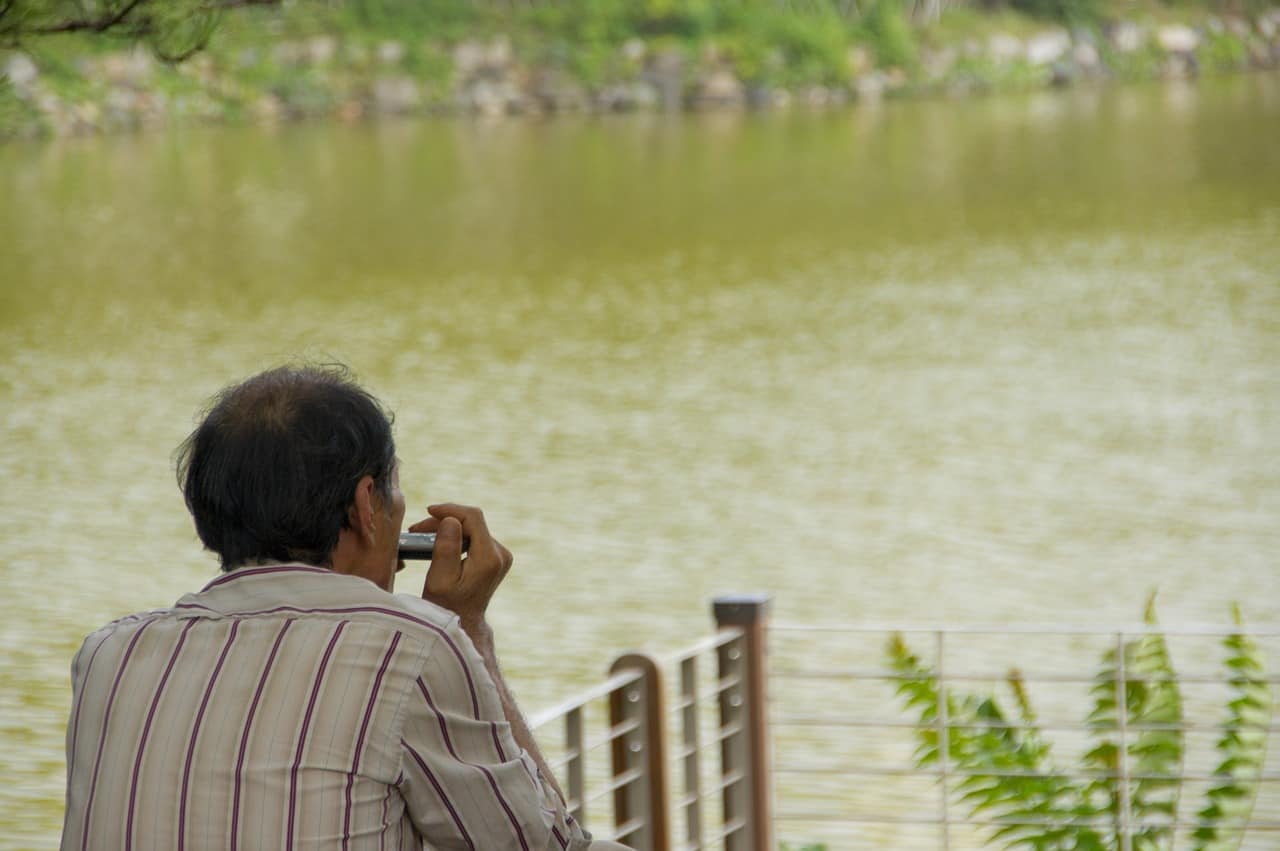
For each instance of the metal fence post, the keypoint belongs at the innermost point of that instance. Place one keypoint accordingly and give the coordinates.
(750, 612)
(640, 756)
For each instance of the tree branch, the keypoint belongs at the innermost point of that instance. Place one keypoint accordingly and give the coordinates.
(236, 4)
(102, 24)
(93, 25)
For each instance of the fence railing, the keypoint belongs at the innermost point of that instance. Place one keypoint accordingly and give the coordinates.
(613, 756)
(707, 749)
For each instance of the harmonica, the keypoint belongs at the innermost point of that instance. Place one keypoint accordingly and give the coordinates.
(420, 545)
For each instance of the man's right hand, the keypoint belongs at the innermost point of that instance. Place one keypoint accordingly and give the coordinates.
(463, 585)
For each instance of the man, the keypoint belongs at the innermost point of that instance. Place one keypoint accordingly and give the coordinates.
(294, 702)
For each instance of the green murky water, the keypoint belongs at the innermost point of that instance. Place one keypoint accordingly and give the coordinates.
(1001, 360)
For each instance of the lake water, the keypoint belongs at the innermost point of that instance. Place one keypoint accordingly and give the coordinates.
(1003, 360)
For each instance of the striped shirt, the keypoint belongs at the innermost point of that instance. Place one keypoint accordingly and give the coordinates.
(291, 707)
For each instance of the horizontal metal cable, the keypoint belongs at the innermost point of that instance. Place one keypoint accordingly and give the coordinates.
(726, 781)
(627, 828)
(611, 735)
(1152, 727)
(712, 642)
(565, 760)
(704, 697)
(689, 800)
(932, 774)
(993, 676)
(730, 827)
(618, 781)
(617, 681)
(1033, 629)
(832, 818)
(726, 732)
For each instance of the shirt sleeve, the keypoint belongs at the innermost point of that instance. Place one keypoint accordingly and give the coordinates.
(466, 783)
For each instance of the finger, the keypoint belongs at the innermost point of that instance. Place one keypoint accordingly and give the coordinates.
(473, 523)
(429, 524)
(507, 559)
(488, 560)
(472, 518)
(445, 571)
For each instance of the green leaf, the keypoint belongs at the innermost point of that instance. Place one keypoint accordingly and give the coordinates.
(1151, 699)
(1242, 746)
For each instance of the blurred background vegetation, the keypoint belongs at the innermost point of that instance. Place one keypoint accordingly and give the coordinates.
(73, 65)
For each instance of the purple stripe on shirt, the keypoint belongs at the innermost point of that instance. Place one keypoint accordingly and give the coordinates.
(102, 738)
(497, 745)
(382, 834)
(466, 837)
(493, 783)
(364, 728)
(244, 737)
(395, 785)
(244, 572)
(378, 610)
(302, 734)
(146, 732)
(564, 843)
(195, 732)
(75, 716)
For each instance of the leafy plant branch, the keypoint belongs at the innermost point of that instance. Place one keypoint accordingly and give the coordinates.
(1129, 782)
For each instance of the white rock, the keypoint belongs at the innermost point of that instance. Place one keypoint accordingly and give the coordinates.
(1048, 47)
(1004, 48)
(396, 95)
(390, 52)
(720, 86)
(321, 49)
(938, 64)
(268, 108)
(1126, 37)
(288, 53)
(497, 54)
(112, 67)
(1177, 38)
(1268, 24)
(20, 70)
(1238, 27)
(815, 96)
(870, 86)
(860, 60)
(468, 57)
(1086, 56)
(121, 104)
(487, 98)
(633, 50)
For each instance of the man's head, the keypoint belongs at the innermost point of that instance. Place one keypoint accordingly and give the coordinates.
(284, 463)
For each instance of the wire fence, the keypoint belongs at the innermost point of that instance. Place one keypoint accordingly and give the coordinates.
(838, 744)
(1034, 749)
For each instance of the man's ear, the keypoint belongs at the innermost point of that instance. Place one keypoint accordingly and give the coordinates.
(360, 512)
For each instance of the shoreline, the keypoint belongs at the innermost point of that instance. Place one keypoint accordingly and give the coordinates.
(258, 76)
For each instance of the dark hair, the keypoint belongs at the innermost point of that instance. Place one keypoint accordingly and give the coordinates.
(271, 470)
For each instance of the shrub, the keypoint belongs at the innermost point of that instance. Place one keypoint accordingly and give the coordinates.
(1038, 806)
(891, 35)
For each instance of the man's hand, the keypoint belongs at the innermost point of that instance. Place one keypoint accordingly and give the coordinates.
(463, 586)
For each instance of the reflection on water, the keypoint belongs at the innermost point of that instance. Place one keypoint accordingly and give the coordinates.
(1004, 360)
